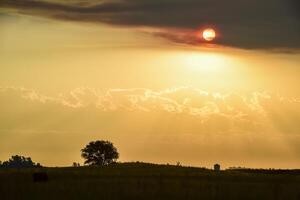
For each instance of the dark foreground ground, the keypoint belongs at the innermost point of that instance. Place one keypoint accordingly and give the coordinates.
(147, 181)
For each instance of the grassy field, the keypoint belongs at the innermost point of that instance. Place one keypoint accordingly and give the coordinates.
(148, 181)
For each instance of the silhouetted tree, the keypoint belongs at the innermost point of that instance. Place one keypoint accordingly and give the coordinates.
(99, 153)
(19, 162)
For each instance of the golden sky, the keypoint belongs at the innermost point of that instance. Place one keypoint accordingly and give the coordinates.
(65, 83)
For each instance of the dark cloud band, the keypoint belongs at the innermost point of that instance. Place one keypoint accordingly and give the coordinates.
(248, 24)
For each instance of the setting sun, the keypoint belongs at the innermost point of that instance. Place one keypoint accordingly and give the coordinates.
(209, 34)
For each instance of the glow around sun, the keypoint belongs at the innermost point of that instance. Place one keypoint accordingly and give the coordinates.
(209, 34)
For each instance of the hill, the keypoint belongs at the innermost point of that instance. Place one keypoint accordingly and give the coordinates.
(150, 181)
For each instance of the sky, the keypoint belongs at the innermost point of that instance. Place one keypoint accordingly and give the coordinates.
(136, 72)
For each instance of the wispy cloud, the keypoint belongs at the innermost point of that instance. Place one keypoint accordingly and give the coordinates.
(248, 112)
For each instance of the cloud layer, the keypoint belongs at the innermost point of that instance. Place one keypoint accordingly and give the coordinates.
(249, 24)
(254, 112)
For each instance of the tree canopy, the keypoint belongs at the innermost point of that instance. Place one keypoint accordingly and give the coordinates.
(17, 161)
(99, 153)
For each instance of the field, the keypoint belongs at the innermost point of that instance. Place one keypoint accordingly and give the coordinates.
(149, 181)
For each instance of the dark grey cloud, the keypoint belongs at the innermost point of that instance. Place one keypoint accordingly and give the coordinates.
(248, 24)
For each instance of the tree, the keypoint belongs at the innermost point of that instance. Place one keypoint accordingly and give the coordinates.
(19, 162)
(99, 153)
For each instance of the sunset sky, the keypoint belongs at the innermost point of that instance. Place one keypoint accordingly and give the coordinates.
(138, 73)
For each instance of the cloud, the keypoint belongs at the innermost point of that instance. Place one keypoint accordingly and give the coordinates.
(250, 24)
(229, 112)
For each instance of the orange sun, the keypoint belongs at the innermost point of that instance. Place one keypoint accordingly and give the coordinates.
(209, 34)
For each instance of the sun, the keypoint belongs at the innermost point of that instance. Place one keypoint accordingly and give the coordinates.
(209, 34)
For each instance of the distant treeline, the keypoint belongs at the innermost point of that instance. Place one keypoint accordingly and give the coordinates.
(19, 162)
